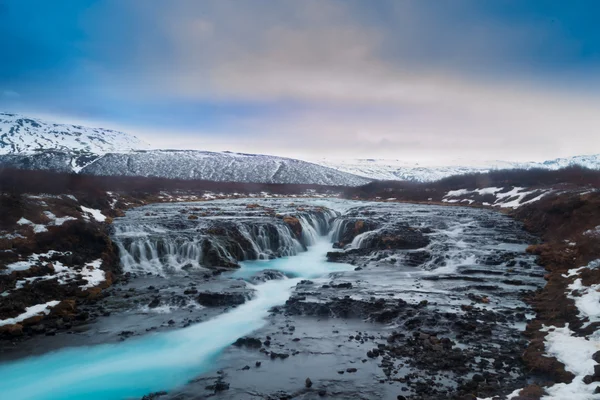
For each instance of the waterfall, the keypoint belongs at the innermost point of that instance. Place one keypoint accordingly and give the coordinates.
(147, 248)
(361, 240)
(339, 225)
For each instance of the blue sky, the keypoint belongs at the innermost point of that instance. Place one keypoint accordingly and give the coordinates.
(423, 81)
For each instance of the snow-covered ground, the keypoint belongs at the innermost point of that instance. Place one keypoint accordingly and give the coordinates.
(575, 352)
(504, 198)
(32, 260)
(91, 272)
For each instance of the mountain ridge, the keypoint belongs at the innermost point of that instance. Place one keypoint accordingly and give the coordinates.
(26, 135)
(33, 143)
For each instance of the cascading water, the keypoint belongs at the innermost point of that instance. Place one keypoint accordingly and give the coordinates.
(148, 248)
(360, 240)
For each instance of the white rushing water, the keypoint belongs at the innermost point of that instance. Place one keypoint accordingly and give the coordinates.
(148, 246)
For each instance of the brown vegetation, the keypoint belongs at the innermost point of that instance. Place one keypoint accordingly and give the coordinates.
(561, 220)
(434, 191)
(93, 187)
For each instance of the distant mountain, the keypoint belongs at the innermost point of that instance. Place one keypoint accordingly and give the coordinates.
(24, 135)
(30, 143)
(381, 169)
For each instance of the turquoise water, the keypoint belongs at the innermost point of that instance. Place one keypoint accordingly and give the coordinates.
(160, 361)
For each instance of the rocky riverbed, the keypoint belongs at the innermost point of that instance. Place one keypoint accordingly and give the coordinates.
(312, 299)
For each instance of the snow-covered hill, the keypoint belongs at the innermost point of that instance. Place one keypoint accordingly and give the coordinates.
(31, 143)
(221, 167)
(19, 134)
(380, 169)
(187, 164)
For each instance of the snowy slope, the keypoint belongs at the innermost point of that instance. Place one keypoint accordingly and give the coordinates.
(19, 134)
(219, 166)
(398, 170)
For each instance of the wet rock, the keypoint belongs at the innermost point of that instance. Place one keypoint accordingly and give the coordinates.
(308, 383)
(417, 258)
(294, 224)
(350, 228)
(398, 237)
(218, 386)
(281, 356)
(248, 342)
(154, 396)
(154, 303)
(220, 299)
(267, 275)
(345, 285)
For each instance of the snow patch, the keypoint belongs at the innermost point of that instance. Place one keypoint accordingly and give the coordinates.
(37, 228)
(93, 274)
(586, 298)
(38, 309)
(96, 214)
(32, 260)
(55, 221)
(576, 354)
(511, 199)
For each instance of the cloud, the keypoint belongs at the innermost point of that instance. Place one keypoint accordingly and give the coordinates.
(422, 80)
(327, 50)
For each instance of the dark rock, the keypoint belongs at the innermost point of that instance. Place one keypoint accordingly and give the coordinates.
(218, 386)
(154, 303)
(217, 299)
(345, 285)
(281, 356)
(153, 396)
(248, 342)
(267, 275)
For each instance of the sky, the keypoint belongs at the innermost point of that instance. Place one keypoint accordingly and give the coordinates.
(422, 81)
